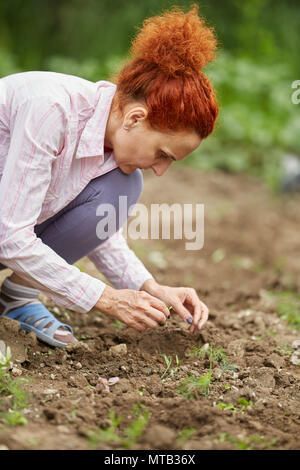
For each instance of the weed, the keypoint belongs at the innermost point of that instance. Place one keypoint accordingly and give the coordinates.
(184, 435)
(14, 417)
(247, 443)
(288, 307)
(192, 386)
(213, 354)
(227, 406)
(135, 429)
(244, 403)
(109, 434)
(171, 372)
(131, 433)
(11, 388)
(118, 324)
(168, 361)
(284, 349)
(175, 369)
(218, 255)
(230, 406)
(31, 441)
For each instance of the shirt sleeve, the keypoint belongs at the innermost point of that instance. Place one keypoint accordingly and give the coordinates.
(119, 263)
(37, 134)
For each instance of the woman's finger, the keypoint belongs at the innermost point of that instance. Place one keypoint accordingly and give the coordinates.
(193, 300)
(182, 310)
(204, 316)
(161, 308)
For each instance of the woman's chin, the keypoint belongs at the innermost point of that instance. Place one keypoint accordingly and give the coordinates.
(127, 169)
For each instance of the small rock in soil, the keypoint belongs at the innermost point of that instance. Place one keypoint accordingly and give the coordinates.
(16, 372)
(217, 372)
(296, 344)
(78, 365)
(119, 349)
(295, 358)
(49, 391)
(3, 348)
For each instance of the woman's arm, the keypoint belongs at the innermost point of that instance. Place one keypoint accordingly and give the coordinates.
(119, 263)
(124, 270)
(37, 135)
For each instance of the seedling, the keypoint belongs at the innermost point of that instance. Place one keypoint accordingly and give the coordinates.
(168, 361)
(191, 387)
(184, 435)
(136, 428)
(288, 307)
(227, 406)
(230, 406)
(176, 368)
(109, 434)
(11, 388)
(244, 404)
(14, 417)
(213, 354)
(171, 372)
(118, 324)
(284, 349)
(132, 432)
(247, 443)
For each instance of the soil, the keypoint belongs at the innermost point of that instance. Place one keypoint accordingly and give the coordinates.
(256, 234)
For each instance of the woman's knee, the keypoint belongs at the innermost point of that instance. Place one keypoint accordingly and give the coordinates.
(114, 184)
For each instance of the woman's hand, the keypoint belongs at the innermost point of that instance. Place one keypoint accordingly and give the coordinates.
(137, 309)
(184, 300)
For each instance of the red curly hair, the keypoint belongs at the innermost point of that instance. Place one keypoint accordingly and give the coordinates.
(165, 73)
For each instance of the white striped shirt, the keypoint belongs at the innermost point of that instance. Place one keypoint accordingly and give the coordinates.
(52, 129)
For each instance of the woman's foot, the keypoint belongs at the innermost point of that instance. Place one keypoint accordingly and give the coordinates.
(18, 296)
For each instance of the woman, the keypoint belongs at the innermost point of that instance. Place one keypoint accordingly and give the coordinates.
(68, 145)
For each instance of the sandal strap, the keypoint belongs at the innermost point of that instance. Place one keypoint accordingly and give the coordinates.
(30, 314)
(10, 305)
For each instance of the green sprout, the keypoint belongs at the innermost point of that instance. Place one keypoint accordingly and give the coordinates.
(230, 406)
(213, 353)
(288, 307)
(11, 388)
(247, 443)
(135, 430)
(184, 435)
(191, 387)
(109, 434)
(168, 361)
(131, 433)
(14, 417)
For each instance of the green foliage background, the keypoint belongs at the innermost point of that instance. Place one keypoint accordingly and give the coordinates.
(258, 60)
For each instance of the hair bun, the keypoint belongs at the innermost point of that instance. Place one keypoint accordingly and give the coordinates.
(175, 41)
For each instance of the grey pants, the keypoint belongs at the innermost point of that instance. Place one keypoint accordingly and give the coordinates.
(71, 233)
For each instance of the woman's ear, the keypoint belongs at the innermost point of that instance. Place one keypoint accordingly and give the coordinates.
(135, 116)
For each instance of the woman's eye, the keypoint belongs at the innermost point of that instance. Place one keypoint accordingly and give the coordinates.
(163, 156)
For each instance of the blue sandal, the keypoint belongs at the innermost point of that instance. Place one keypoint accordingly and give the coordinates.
(28, 315)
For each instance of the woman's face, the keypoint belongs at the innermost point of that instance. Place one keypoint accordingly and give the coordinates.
(139, 146)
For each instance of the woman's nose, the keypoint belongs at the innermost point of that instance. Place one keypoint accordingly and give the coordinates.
(160, 168)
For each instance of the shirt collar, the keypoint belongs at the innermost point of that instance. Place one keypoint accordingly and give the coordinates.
(91, 142)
